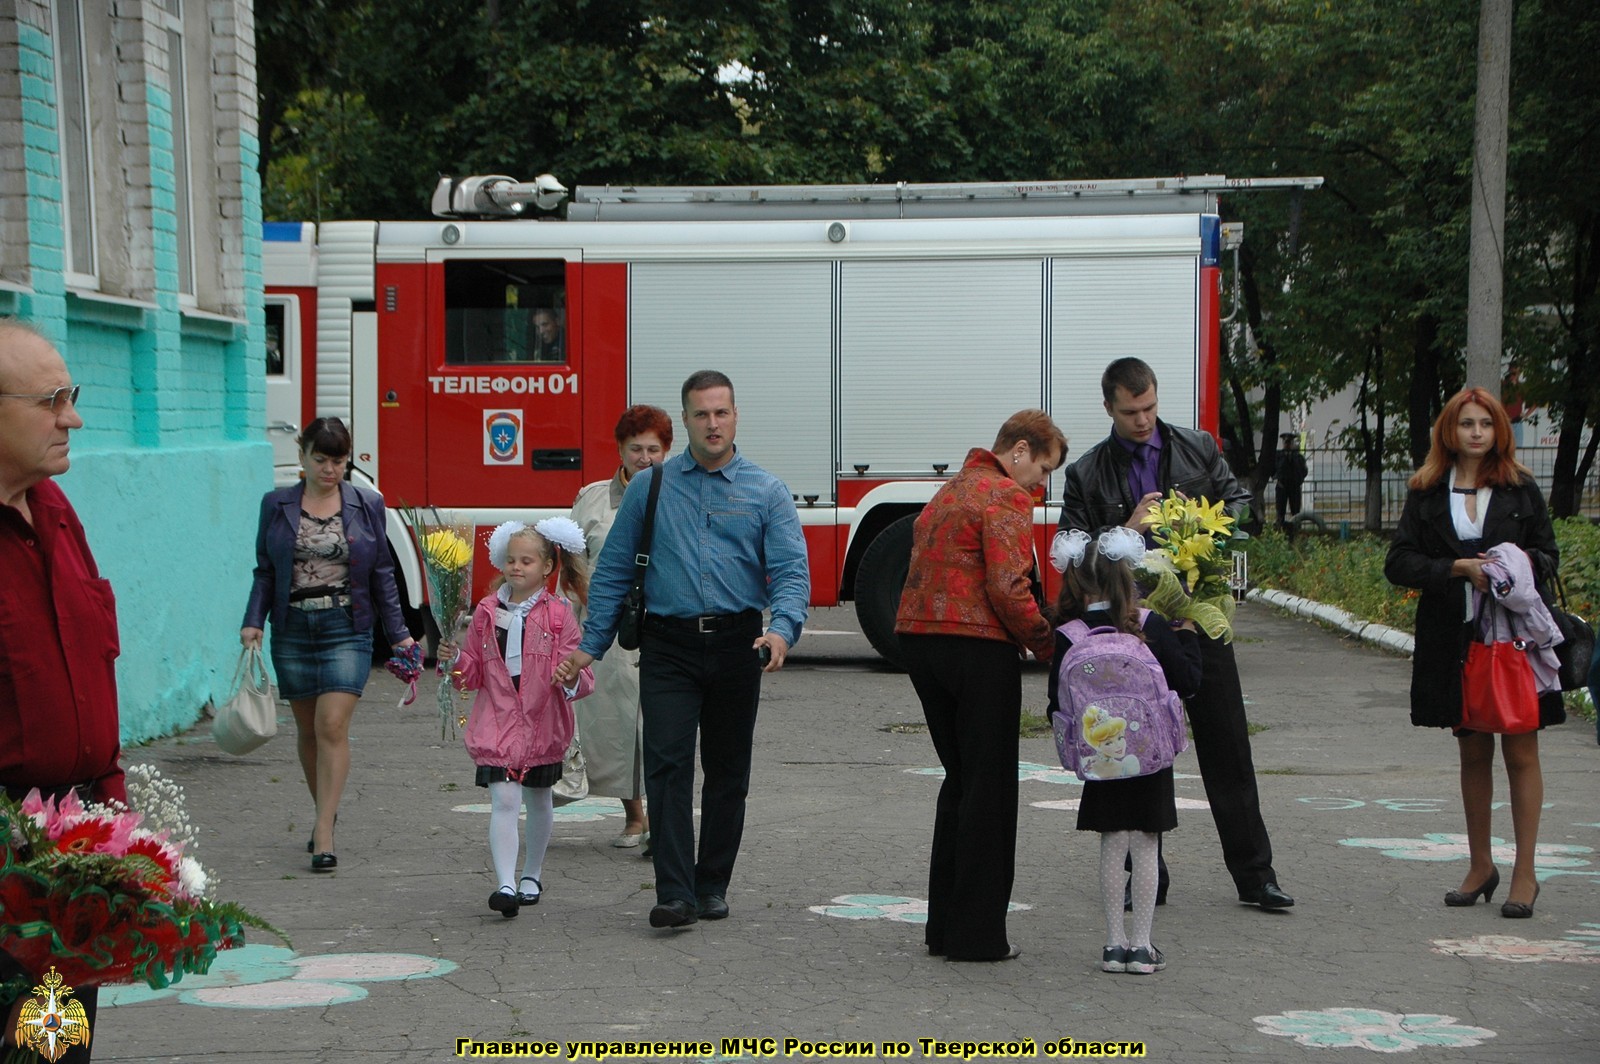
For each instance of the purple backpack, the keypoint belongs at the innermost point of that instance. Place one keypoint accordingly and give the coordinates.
(1116, 717)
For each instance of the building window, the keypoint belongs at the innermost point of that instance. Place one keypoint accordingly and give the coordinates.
(77, 164)
(169, 17)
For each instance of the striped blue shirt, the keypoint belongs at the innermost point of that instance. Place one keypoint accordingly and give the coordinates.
(726, 540)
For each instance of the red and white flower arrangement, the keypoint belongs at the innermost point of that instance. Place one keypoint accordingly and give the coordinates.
(107, 895)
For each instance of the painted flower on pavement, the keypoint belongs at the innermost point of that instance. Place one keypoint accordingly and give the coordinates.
(1520, 950)
(1444, 846)
(1026, 770)
(271, 977)
(587, 811)
(1381, 1032)
(885, 907)
(1585, 933)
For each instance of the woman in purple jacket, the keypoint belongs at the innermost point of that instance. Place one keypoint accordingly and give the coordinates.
(323, 569)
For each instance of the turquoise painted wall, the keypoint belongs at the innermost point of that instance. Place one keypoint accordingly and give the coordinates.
(168, 471)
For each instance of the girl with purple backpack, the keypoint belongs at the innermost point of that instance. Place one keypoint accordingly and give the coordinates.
(1130, 810)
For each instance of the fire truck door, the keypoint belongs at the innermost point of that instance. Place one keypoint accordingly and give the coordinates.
(505, 370)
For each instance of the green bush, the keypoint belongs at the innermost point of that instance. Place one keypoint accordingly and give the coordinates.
(1579, 540)
(1349, 573)
(1343, 573)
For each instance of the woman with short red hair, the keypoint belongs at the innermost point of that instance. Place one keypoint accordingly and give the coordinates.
(967, 617)
(608, 720)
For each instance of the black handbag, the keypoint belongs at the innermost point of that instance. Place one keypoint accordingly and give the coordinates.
(1576, 648)
(631, 621)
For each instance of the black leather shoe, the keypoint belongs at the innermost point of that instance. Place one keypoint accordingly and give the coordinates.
(504, 901)
(1268, 896)
(324, 862)
(713, 907)
(673, 914)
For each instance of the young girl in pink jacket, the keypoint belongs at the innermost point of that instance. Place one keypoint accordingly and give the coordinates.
(521, 718)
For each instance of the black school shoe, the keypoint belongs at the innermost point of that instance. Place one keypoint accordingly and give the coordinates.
(504, 901)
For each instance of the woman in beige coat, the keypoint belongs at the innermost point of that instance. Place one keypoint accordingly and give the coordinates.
(609, 729)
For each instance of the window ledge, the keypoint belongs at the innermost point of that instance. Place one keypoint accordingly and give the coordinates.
(12, 296)
(116, 312)
(209, 326)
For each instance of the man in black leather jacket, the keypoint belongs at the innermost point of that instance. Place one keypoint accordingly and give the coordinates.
(1114, 483)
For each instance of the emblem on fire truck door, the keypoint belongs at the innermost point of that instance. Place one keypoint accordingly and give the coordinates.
(502, 437)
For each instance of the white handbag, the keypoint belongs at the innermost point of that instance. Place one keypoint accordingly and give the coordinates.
(250, 717)
(573, 786)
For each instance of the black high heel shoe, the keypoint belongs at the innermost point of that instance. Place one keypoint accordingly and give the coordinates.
(324, 862)
(1460, 898)
(311, 843)
(1516, 910)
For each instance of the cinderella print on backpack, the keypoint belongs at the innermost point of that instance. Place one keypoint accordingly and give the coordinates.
(1118, 718)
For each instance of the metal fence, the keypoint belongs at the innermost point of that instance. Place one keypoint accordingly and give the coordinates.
(1336, 492)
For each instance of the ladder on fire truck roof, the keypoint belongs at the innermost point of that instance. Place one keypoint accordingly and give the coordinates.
(499, 196)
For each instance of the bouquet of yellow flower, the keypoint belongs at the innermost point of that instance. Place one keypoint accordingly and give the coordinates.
(446, 549)
(1190, 563)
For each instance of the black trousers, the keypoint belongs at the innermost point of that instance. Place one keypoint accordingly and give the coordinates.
(706, 684)
(971, 692)
(1222, 745)
(1288, 500)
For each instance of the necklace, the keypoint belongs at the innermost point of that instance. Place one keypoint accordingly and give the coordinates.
(1465, 491)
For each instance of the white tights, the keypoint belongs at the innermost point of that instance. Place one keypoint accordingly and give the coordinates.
(1115, 848)
(506, 800)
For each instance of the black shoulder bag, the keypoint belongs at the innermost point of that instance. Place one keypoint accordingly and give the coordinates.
(1576, 649)
(631, 621)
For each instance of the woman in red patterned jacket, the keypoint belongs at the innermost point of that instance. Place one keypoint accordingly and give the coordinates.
(966, 618)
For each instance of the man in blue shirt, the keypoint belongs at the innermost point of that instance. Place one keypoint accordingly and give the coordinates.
(726, 545)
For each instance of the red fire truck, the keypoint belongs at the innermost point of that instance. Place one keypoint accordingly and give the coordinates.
(873, 334)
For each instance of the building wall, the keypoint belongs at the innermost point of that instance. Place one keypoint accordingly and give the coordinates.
(167, 342)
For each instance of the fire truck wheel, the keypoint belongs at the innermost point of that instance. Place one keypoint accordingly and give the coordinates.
(880, 578)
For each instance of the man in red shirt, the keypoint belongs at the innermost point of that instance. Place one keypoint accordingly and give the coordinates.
(58, 620)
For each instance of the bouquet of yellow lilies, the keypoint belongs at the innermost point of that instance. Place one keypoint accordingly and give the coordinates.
(1190, 563)
(446, 548)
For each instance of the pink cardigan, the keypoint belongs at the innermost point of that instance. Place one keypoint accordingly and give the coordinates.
(511, 728)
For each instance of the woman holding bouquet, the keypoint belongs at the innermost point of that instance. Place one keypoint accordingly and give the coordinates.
(967, 616)
(1470, 495)
(324, 573)
(609, 728)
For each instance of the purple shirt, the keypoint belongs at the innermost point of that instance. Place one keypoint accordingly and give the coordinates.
(1143, 474)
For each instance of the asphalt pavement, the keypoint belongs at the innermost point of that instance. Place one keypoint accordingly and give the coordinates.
(395, 957)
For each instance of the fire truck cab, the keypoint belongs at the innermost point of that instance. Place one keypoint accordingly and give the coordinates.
(874, 334)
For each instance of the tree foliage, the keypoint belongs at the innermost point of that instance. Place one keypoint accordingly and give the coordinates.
(1358, 287)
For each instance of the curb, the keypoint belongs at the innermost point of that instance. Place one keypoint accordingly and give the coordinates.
(1370, 631)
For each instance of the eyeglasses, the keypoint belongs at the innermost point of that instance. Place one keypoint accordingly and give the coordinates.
(55, 399)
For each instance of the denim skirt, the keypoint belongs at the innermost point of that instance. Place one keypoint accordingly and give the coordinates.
(318, 651)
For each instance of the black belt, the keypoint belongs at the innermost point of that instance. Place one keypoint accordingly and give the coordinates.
(713, 622)
(85, 791)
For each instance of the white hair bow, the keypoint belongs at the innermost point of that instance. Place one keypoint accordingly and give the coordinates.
(1121, 544)
(1067, 548)
(500, 541)
(563, 532)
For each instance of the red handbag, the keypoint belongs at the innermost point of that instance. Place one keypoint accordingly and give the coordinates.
(1498, 693)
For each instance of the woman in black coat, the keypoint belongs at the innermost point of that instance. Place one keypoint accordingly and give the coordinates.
(1470, 495)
